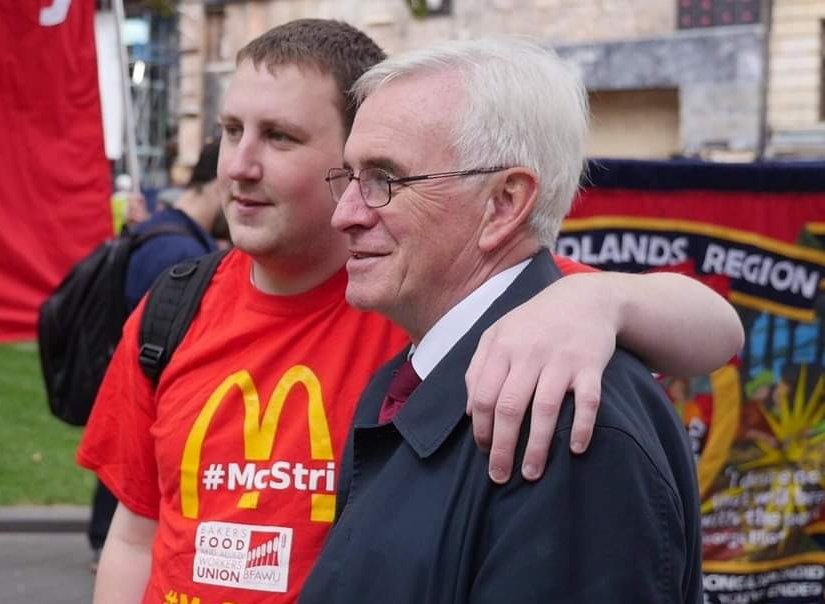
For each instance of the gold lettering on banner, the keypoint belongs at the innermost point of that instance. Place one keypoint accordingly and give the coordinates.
(259, 435)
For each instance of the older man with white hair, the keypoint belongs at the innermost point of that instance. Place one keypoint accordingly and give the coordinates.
(462, 161)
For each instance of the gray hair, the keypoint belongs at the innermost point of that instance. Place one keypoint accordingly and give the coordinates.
(524, 107)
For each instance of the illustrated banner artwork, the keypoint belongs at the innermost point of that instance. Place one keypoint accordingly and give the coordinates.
(756, 234)
(54, 176)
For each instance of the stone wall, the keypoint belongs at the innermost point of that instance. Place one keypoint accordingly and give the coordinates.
(795, 111)
(392, 25)
(717, 73)
(619, 44)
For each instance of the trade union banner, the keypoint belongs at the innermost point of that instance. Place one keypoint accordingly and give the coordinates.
(54, 176)
(756, 234)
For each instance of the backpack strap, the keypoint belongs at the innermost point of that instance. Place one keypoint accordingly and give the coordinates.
(170, 307)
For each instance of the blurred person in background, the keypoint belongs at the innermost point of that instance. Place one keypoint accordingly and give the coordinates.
(128, 206)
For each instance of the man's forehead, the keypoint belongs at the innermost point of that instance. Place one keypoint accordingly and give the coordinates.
(306, 67)
(431, 87)
(404, 115)
(305, 70)
(287, 89)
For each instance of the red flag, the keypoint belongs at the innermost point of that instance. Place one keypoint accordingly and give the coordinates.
(54, 176)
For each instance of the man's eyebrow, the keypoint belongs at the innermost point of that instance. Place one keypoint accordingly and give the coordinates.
(274, 123)
(266, 124)
(384, 163)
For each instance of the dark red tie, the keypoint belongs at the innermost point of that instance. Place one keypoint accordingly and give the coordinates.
(401, 386)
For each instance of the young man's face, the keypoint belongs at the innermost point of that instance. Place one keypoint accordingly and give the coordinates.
(282, 131)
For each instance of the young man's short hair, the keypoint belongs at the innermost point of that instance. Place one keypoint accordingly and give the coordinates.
(332, 47)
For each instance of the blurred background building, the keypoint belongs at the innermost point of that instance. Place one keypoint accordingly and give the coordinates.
(725, 80)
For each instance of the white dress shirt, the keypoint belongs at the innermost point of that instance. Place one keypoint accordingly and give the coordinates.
(450, 328)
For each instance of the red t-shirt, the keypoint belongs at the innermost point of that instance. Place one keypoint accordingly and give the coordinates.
(236, 451)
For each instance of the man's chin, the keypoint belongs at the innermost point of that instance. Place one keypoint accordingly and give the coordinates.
(248, 237)
(359, 297)
(249, 246)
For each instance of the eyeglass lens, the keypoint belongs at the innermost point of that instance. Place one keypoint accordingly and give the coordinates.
(372, 182)
(374, 186)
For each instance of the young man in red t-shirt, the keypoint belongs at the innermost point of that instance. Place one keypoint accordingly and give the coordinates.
(226, 471)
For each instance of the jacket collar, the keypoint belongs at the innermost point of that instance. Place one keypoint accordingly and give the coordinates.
(438, 405)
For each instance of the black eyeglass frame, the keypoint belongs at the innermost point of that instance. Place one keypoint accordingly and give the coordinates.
(349, 174)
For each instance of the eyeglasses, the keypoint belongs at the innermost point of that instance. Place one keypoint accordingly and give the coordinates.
(376, 185)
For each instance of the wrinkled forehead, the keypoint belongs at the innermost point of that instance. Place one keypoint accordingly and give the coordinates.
(411, 119)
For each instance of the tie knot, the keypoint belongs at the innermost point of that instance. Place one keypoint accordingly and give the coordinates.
(403, 382)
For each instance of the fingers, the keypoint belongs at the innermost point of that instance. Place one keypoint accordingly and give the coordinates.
(514, 366)
(587, 394)
(483, 393)
(475, 371)
(546, 406)
(515, 396)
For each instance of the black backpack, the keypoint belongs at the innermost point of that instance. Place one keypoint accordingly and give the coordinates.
(170, 307)
(80, 324)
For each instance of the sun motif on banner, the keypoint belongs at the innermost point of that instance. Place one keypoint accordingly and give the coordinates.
(798, 428)
(761, 462)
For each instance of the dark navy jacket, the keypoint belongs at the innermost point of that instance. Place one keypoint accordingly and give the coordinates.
(421, 522)
(161, 252)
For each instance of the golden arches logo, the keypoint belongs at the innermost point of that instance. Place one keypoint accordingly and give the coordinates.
(259, 436)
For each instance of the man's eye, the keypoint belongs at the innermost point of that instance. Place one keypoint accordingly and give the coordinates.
(377, 179)
(232, 130)
(378, 175)
(279, 137)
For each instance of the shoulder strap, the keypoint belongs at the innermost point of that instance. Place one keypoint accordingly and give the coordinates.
(170, 307)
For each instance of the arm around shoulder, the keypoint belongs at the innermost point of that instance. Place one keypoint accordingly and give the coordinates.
(676, 324)
(563, 338)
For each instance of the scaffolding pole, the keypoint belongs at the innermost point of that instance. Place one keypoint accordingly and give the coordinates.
(132, 164)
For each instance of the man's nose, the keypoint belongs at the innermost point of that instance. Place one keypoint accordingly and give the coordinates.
(351, 210)
(245, 163)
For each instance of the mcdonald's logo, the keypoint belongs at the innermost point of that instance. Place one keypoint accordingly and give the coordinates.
(259, 435)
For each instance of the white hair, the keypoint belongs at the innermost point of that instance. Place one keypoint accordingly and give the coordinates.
(523, 107)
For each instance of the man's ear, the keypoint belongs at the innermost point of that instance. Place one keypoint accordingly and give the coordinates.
(508, 207)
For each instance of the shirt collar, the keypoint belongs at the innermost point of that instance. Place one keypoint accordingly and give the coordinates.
(437, 406)
(449, 329)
